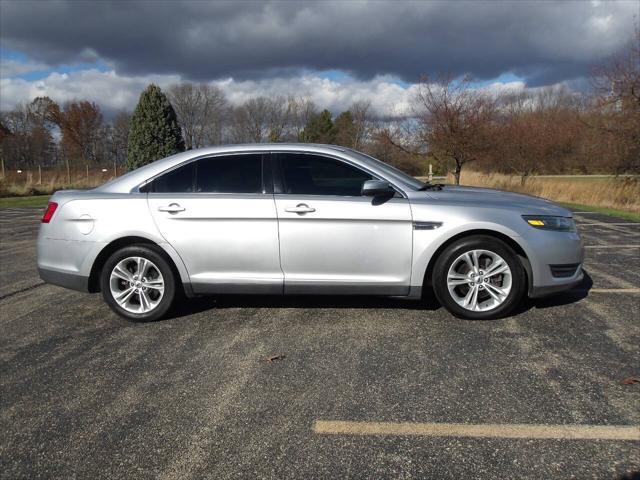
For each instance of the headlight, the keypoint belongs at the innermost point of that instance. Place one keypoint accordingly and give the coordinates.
(559, 224)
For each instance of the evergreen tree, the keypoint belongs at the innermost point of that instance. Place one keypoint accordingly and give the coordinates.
(345, 127)
(319, 129)
(155, 132)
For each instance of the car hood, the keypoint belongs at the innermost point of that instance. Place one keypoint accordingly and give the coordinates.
(486, 197)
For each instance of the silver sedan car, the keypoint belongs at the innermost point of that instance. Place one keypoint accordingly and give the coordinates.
(288, 219)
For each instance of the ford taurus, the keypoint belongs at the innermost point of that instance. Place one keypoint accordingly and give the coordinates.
(290, 219)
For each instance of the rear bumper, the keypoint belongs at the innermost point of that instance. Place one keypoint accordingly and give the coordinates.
(64, 279)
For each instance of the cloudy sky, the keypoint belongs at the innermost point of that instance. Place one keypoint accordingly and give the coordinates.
(336, 52)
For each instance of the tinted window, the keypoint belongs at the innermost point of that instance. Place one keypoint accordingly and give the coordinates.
(306, 174)
(179, 180)
(230, 174)
(224, 174)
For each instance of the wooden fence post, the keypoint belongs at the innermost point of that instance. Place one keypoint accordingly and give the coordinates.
(39, 174)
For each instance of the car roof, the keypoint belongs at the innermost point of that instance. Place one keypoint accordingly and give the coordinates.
(129, 181)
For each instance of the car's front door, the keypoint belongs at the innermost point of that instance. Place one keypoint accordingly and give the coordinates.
(333, 239)
(219, 215)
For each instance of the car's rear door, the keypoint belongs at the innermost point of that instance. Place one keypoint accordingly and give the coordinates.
(333, 239)
(219, 214)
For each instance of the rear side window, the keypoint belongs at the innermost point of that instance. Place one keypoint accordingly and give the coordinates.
(179, 180)
(230, 174)
(221, 174)
(307, 174)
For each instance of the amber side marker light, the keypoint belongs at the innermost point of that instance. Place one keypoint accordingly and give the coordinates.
(48, 213)
(535, 223)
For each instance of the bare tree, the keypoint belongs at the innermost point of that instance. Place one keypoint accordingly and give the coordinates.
(535, 130)
(616, 84)
(520, 135)
(200, 109)
(27, 141)
(249, 121)
(454, 120)
(361, 112)
(80, 123)
(262, 119)
(117, 138)
(398, 141)
(279, 117)
(302, 110)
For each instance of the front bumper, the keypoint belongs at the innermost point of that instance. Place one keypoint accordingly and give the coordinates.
(548, 253)
(543, 291)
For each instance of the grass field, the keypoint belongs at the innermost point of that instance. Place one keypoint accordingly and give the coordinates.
(33, 201)
(580, 178)
(618, 196)
(633, 216)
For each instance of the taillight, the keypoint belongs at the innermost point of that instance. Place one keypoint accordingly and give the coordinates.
(48, 213)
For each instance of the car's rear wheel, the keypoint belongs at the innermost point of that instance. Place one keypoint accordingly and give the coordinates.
(479, 277)
(138, 283)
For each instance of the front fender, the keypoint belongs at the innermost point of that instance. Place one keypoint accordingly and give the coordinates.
(426, 243)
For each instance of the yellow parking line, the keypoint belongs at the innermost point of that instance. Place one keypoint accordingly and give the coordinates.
(529, 431)
(612, 246)
(614, 290)
(608, 224)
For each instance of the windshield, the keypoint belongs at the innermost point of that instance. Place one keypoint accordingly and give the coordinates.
(394, 172)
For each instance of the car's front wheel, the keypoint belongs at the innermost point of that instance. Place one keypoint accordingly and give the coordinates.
(138, 283)
(479, 277)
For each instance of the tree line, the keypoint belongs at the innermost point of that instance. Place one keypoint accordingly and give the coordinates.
(451, 124)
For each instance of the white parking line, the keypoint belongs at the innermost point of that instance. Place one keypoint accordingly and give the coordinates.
(509, 430)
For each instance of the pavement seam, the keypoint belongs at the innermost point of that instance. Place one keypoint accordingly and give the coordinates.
(26, 289)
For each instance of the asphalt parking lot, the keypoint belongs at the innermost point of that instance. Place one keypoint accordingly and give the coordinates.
(85, 394)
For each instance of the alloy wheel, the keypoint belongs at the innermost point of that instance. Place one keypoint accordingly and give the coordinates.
(479, 280)
(136, 285)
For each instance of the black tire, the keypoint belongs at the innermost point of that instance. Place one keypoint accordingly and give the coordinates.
(157, 257)
(467, 244)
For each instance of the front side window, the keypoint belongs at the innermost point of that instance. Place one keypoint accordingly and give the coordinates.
(220, 174)
(308, 174)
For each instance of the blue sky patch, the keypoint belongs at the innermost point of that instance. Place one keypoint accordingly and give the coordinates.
(40, 73)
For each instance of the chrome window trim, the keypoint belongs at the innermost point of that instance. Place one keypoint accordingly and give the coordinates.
(344, 159)
(137, 188)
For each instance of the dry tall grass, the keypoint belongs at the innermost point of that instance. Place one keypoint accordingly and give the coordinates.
(47, 181)
(621, 193)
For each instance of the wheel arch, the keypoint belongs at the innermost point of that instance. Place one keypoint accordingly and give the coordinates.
(524, 259)
(117, 244)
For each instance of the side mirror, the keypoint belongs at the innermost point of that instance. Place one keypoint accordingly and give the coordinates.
(375, 188)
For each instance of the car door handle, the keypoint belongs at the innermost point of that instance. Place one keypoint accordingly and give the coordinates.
(172, 208)
(300, 209)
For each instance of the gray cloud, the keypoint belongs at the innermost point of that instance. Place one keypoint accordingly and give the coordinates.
(543, 42)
